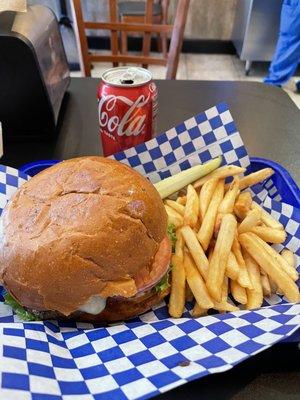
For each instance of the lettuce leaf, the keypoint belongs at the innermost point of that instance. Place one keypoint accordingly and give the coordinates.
(18, 309)
(172, 235)
(163, 283)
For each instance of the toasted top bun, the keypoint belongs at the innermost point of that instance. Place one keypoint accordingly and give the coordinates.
(83, 227)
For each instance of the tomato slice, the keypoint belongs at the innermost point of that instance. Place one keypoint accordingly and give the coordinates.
(146, 279)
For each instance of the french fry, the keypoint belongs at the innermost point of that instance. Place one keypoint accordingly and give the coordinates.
(266, 287)
(269, 235)
(267, 218)
(242, 205)
(255, 295)
(255, 177)
(191, 208)
(179, 245)
(238, 292)
(273, 286)
(232, 268)
(243, 278)
(228, 201)
(223, 307)
(220, 173)
(189, 297)
(196, 283)
(181, 200)
(252, 244)
(220, 255)
(217, 224)
(205, 195)
(176, 206)
(206, 230)
(251, 220)
(196, 250)
(224, 296)
(279, 259)
(173, 217)
(198, 311)
(289, 256)
(177, 296)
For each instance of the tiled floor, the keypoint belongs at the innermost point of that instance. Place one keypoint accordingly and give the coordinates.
(211, 67)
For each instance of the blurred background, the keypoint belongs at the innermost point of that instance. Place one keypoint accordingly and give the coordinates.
(223, 39)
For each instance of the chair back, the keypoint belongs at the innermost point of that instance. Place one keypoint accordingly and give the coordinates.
(176, 30)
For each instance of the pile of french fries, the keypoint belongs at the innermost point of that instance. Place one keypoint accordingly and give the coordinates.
(224, 248)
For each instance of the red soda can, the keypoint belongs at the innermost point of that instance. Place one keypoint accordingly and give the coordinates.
(127, 108)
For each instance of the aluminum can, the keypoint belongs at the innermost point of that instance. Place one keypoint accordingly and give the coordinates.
(127, 108)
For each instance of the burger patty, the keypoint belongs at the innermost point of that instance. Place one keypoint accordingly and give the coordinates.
(117, 308)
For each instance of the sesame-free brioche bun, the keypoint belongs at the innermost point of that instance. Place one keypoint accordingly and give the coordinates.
(84, 227)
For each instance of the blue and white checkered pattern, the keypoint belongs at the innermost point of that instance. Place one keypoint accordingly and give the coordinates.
(153, 353)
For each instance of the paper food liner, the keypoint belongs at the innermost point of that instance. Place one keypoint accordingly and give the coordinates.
(152, 353)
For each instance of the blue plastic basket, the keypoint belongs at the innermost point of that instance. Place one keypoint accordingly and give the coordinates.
(283, 181)
(285, 184)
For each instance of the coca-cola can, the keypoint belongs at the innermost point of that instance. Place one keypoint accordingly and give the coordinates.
(127, 108)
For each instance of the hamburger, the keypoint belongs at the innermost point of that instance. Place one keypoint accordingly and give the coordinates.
(85, 239)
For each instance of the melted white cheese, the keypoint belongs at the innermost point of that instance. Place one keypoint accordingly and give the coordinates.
(94, 305)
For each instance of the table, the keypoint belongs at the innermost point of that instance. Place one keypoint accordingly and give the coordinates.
(269, 123)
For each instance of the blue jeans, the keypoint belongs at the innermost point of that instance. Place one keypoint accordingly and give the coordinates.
(287, 53)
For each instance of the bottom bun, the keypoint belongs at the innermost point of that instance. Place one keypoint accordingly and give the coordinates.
(117, 309)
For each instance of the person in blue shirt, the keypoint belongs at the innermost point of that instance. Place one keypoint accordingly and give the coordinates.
(287, 53)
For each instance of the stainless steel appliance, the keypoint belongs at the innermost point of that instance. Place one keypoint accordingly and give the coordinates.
(256, 29)
(34, 73)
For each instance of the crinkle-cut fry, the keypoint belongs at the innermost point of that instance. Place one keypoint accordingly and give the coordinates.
(255, 177)
(269, 235)
(174, 217)
(267, 218)
(232, 268)
(179, 245)
(181, 200)
(243, 278)
(220, 255)
(286, 267)
(198, 311)
(177, 295)
(255, 295)
(238, 292)
(205, 195)
(207, 227)
(196, 283)
(251, 220)
(176, 206)
(195, 249)
(252, 244)
(242, 205)
(289, 256)
(191, 209)
(189, 297)
(230, 196)
(220, 173)
(266, 287)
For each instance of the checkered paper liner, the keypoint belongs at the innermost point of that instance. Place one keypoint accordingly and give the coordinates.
(153, 353)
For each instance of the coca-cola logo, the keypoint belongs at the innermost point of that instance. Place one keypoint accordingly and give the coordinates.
(132, 123)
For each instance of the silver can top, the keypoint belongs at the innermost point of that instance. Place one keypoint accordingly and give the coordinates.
(126, 76)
